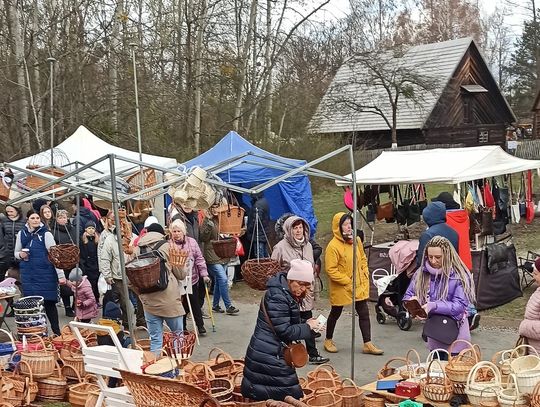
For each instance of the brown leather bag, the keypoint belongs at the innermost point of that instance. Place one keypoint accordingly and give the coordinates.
(295, 354)
(385, 211)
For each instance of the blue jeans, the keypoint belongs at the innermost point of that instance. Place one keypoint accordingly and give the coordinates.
(155, 329)
(221, 287)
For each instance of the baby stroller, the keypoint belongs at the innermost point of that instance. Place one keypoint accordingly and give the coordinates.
(392, 285)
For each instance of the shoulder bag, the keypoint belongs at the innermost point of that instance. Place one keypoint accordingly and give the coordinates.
(294, 353)
(441, 328)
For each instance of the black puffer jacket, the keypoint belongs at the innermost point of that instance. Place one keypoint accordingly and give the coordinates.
(11, 228)
(64, 233)
(89, 259)
(266, 375)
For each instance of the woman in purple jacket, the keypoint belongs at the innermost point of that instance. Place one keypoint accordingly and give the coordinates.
(443, 285)
(198, 271)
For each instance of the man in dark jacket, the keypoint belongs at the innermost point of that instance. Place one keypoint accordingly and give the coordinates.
(266, 374)
(435, 217)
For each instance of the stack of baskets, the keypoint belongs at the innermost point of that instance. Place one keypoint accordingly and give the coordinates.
(30, 317)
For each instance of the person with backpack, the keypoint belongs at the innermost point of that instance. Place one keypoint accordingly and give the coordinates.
(164, 304)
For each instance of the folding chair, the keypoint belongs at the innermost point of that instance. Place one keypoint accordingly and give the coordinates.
(526, 267)
(103, 360)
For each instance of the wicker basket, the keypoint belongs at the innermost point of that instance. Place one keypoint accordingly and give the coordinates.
(177, 256)
(180, 343)
(459, 366)
(53, 387)
(78, 393)
(436, 388)
(221, 389)
(42, 362)
(93, 397)
(478, 391)
(324, 371)
(535, 396)
(327, 383)
(524, 363)
(324, 398)
(64, 256)
(73, 366)
(350, 393)
(230, 218)
(388, 370)
(199, 375)
(511, 396)
(374, 400)
(34, 182)
(148, 180)
(24, 388)
(143, 273)
(502, 360)
(412, 370)
(224, 248)
(256, 272)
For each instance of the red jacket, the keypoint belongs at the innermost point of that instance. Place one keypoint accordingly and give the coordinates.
(459, 221)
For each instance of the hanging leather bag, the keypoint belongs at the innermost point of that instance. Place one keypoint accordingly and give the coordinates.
(294, 353)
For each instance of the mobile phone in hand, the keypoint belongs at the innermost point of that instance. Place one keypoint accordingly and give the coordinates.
(321, 319)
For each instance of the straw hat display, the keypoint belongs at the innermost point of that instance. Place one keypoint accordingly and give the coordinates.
(195, 192)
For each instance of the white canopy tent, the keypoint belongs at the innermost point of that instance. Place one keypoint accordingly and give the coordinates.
(443, 166)
(84, 147)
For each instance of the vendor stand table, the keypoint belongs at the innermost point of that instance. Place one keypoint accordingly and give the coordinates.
(492, 289)
(393, 398)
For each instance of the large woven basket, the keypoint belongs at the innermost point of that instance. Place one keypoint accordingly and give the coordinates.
(436, 388)
(230, 218)
(148, 180)
(78, 393)
(143, 273)
(324, 398)
(53, 387)
(459, 366)
(350, 393)
(64, 256)
(41, 362)
(257, 272)
(224, 248)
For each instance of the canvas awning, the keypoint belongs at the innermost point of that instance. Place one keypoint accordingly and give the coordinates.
(447, 166)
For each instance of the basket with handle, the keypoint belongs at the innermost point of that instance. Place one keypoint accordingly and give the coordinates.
(257, 272)
(64, 256)
(143, 272)
(177, 255)
(442, 363)
(230, 217)
(412, 370)
(502, 360)
(136, 182)
(520, 364)
(534, 397)
(25, 388)
(221, 389)
(324, 371)
(42, 362)
(7, 349)
(224, 248)
(322, 383)
(350, 393)
(76, 362)
(78, 393)
(324, 398)
(478, 391)
(199, 375)
(142, 343)
(388, 370)
(53, 387)
(374, 400)
(459, 366)
(436, 388)
(511, 396)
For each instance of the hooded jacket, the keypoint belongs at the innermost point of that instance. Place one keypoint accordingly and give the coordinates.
(530, 326)
(454, 305)
(11, 228)
(338, 262)
(166, 303)
(435, 217)
(83, 216)
(88, 308)
(288, 249)
(266, 375)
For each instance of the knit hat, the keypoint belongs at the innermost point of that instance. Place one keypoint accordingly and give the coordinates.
(537, 264)
(178, 224)
(301, 270)
(75, 275)
(150, 220)
(112, 311)
(155, 227)
(90, 224)
(38, 203)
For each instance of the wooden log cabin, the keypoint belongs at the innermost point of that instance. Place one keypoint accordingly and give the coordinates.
(463, 106)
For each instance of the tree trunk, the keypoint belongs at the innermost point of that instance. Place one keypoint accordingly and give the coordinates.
(114, 49)
(37, 75)
(198, 74)
(243, 66)
(18, 50)
(268, 61)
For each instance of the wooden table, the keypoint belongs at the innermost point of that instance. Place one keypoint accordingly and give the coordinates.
(372, 388)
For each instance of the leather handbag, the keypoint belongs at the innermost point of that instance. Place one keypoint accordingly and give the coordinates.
(441, 328)
(385, 211)
(294, 353)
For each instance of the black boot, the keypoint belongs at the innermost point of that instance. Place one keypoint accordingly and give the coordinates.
(69, 312)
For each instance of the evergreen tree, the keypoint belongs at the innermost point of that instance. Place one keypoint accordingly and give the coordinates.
(523, 70)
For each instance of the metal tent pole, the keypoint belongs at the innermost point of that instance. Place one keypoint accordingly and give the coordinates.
(137, 113)
(51, 119)
(355, 255)
(121, 258)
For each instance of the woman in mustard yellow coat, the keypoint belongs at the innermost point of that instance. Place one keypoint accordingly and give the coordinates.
(338, 263)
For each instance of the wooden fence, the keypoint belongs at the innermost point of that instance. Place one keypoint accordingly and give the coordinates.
(529, 149)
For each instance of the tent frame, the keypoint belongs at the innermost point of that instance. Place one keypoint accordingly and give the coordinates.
(85, 185)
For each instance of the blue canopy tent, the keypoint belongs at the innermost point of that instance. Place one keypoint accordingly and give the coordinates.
(238, 162)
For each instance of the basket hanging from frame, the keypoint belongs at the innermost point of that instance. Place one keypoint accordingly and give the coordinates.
(148, 180)
(225, 248)
(64, 256)
(257, 272)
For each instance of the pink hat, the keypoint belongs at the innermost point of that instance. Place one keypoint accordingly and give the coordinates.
(301, 270)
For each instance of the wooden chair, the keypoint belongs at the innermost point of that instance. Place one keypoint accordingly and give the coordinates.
(104, 360)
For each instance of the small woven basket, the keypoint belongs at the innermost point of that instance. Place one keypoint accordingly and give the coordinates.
(436, 388)
(143, 273)
(177, 256)
(412, 370)
(324, 398)
(459, 366)
(511, 396)
(53, 387)
(535, 396)
(256, 272)
(199, 375)
(78, 393)
(41, 362)
(225, 248)
(64, 256)
(323, 371)
(221, 389)
(350, 393)
(374, 400)
(483, 391)
(388, 370)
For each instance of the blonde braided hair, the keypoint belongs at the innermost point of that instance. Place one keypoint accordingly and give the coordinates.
(451, 263)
